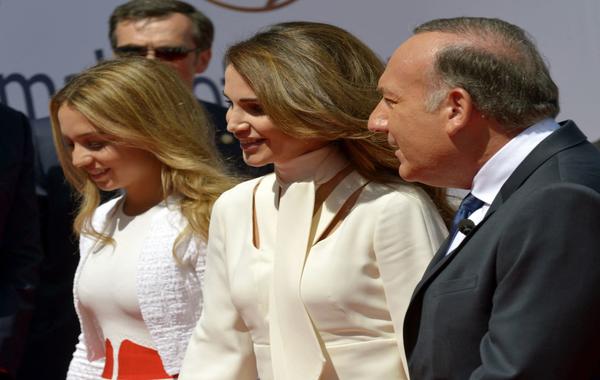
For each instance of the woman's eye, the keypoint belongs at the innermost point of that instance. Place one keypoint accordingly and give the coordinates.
(255, 109)
(96, 145)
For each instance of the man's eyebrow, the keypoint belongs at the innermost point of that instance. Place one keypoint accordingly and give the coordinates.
(384, 91)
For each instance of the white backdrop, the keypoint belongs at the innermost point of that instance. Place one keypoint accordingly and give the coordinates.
(43, 41)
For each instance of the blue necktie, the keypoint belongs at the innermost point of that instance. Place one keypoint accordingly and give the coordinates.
(468, 205)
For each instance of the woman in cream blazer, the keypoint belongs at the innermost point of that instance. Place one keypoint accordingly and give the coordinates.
(310, 269)
(132, 125)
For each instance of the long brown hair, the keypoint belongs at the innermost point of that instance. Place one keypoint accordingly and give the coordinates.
(318, 80)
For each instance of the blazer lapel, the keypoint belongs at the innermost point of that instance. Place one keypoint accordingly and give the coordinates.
(331, 206)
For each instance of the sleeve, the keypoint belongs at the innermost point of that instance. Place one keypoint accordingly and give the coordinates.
(20, 246)
(544, 322)
(408, 233)
(221, 347)
(80, 367)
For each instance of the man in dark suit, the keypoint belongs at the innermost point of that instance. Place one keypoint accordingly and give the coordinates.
(20, 249)
(181, 36)
(514, 291)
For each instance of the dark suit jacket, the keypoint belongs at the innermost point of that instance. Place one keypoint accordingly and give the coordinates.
(520, 297)
(20, 249)
(229, 147)
(54, 327)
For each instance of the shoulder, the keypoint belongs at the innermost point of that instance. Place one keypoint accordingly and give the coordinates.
(406, 207)
(396, 194)
(563, 198)
(11, 115)
(14, 125)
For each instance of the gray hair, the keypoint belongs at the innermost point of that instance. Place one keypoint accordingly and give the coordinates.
(499, 65)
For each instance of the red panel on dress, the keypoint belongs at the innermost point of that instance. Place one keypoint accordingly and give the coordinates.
(135, 363)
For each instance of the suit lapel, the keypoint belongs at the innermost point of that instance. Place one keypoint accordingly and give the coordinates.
(440, 259)
(565, 137)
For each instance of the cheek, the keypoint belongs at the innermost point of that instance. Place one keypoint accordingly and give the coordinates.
(134, 161)
(184, 68)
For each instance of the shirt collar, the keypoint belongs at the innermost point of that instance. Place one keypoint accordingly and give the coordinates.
(319, 166)
(489, 179)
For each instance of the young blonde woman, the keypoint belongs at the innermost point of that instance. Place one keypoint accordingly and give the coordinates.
(310, 269)
(132, 125)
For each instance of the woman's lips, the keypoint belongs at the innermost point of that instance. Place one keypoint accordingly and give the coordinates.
(250, 146)
(98, 174)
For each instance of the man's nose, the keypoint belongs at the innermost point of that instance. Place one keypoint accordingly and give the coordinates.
(378, 121)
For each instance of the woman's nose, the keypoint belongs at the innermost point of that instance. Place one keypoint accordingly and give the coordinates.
(80, 157)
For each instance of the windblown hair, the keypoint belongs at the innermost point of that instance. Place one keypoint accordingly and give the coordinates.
(143, 104)
(136, 10)
(316, 80)
(499, 65)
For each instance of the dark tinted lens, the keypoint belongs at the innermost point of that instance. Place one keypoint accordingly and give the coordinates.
(171, 53)
(131, 51)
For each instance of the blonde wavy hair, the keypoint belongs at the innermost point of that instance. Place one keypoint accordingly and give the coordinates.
(143, 104)
(318, 80)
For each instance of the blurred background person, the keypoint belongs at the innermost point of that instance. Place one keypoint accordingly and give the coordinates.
(20, 247)
(54, 327)
(132, 125)
(310, 269)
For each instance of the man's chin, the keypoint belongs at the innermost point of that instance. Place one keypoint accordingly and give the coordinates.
(406, 174)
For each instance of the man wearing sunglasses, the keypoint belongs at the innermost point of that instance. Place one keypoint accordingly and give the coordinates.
(181, 36)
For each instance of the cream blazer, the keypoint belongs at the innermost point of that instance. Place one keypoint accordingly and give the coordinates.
(170, 295)
(356, 283)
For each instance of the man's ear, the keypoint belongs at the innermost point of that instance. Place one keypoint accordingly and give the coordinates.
(202, 60)
(458, 109)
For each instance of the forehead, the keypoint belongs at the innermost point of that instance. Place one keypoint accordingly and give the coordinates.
(413, 60)
(73, 123)
(174, 29)
(235, 84)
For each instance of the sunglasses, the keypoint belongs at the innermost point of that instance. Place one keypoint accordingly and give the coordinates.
(166, 53)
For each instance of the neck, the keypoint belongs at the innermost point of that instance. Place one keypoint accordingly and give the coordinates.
(301, 167)
(139, 200)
